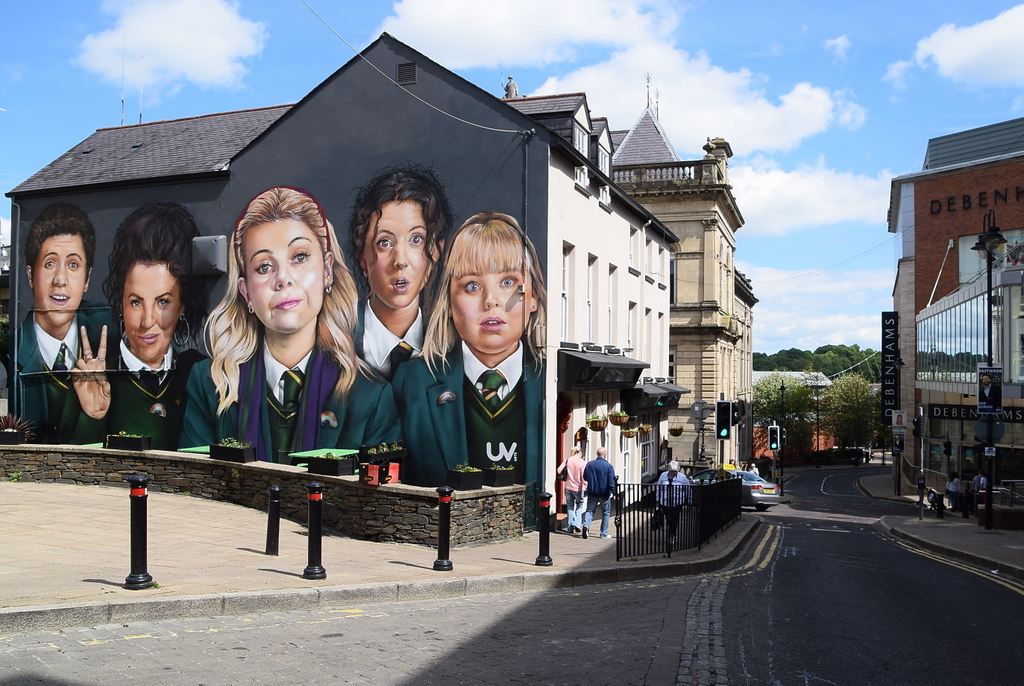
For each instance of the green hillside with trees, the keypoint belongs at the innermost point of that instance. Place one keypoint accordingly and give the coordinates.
(828, 359)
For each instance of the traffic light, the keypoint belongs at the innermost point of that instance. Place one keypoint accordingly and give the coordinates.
(782, 438)
(723, 420)
(947, 448)
(737, 413)
(773, 437)
(918, 421)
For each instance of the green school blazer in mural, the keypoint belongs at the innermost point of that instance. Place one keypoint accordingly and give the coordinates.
(62, 425)
(367, 417)
(434, 419)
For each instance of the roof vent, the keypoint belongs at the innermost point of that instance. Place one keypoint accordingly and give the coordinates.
(405, 73)
(87, 151)
(136, 146)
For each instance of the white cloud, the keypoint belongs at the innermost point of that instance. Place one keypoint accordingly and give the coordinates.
(5, 231)
(987, 53)
(468, 33)
(697, 98)
(839, 47)
(896, 74)
(777, 202)
(840, 308)
(173, 42)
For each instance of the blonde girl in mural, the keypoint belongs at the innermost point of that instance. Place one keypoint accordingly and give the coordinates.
(475, 394)
(283, 374)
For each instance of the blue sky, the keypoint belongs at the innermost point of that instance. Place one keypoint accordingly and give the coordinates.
(822, 106)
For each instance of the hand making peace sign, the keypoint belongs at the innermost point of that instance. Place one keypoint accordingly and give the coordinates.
(90, 378)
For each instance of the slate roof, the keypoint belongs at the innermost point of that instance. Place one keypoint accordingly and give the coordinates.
(646, 143)
(617, 138)
(176, 147)
(986, 142)
(548, 104)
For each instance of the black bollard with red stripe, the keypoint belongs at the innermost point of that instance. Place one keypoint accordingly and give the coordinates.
(139, 577)
(444, 529)
(314, 569)
(544, 504)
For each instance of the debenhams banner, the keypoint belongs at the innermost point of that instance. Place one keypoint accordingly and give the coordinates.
(969, 413)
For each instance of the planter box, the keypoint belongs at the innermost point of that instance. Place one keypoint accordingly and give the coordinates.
(395, 456)
(128, 442)
(327, 466)
(377, 474)
(499, 477)
(12, 437)
(223, 452)
(465, 481)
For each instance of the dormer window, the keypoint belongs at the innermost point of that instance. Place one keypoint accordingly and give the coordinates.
(604, 161)
(579, 138)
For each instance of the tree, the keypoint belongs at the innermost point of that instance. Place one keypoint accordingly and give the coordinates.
(849, 411)
(797, 417)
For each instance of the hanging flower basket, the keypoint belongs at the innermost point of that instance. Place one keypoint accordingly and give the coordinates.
(645, 428)
(675, 430)
(629, 433)
(597, 424)
(618, 418)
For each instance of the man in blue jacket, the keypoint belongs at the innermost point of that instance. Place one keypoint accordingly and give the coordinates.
(600, 478)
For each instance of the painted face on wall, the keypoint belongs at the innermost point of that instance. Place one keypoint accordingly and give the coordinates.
(284, 273)
(489, 313)
(151, 305)
(395, 258)
(58, 281)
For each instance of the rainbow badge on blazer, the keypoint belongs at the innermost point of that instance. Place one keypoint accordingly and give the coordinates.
(328, 418)
(445, 398)
(158, 409)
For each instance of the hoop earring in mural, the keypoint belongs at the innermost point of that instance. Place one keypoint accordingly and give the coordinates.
(328, 290)
(181, 340)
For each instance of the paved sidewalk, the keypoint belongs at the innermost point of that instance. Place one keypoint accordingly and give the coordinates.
(67, 553)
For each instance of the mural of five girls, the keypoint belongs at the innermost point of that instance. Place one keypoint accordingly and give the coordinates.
(437, 340)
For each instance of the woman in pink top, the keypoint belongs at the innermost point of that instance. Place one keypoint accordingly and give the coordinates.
(574, 485)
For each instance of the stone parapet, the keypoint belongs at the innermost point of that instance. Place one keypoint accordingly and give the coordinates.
(390, 513)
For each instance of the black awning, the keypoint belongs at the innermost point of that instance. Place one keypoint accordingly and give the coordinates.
(651, 397)
(584, 371)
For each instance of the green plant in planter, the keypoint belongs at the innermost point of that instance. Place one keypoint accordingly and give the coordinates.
(503, 468)
(596, 418)
(332, 456)
(125, 434)
(464, 467)
(230, 442)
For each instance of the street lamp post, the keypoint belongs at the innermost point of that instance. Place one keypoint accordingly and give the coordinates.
(987, 244)
(782, 444)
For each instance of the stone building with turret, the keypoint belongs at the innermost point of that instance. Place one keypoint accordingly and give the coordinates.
(711, 321)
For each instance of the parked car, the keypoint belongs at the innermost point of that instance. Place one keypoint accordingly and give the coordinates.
(757, 492)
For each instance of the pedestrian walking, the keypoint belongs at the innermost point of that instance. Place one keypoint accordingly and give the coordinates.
(953, 491)
(571, 474)
(600, 477)
(672, 493)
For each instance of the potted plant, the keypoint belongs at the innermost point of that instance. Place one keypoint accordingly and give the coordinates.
(597, 422)
(328, 462)
(123, 440)
(383, 452)
(675, 430)
(618, 418)
(233, 450)
(500, 476)
(465, 478)
(645, 428)
(629, 433)
(14, 430)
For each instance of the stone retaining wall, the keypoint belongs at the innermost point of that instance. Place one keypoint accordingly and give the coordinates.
(392, 513)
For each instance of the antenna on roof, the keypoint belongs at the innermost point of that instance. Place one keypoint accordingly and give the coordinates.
(122, 78)
(657, 100)
(648, 77)
(142, 80)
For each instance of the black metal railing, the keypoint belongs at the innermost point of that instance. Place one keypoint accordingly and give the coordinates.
(649, 521)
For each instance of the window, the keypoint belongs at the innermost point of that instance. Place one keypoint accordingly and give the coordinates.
(611, 302)
(647, 461)
(566, 280)
(672, 282)
(605, 195)
(632, 242)
(672, 364)
(591, 285)
(604, 161)
(630, 321)
(582, 177)
(579, 138)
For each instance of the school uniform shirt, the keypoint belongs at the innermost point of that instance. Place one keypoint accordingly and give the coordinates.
(47, 399)
(433, 408)
(366, 416)
(377, 342)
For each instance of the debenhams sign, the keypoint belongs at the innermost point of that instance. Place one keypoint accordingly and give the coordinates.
(1011, 415)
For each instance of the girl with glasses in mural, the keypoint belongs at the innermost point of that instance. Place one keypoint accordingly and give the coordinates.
(159, 303)
(397, 230)
(475, 396)
(284, 375)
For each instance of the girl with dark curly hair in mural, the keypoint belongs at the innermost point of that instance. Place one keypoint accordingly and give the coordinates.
(158, 303)
(283, 374)
(397, 230)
